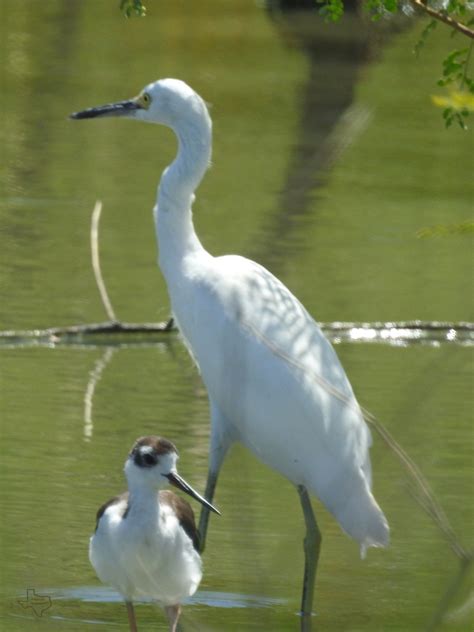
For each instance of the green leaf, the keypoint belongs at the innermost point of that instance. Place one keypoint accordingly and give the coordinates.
(424, 36)
(133, 7)
(390, 5)
(332, 10)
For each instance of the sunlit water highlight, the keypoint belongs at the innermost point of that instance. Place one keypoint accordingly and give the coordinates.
(99, 594)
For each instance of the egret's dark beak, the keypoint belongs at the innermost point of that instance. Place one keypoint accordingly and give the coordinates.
(176, 480)
(122, 108)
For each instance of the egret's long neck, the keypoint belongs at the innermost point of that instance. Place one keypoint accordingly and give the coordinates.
(173, 215)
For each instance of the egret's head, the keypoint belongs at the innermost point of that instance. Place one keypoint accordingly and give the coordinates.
(170, 102)
(152, 463)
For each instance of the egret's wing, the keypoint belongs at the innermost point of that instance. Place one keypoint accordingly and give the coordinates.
(259, 303)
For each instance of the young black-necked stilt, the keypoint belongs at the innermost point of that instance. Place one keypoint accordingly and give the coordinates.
(146, 542)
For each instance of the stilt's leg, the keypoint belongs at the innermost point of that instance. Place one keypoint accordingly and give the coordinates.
(131, 617)
(173, 612)
(312, 545)
(219, 444)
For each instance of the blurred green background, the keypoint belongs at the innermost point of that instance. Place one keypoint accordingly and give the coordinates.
(328, 159)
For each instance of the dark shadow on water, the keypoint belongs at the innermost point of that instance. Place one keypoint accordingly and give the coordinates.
(336, 54)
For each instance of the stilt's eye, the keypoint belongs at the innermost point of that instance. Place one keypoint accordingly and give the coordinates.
(149, 459)
(145, 457)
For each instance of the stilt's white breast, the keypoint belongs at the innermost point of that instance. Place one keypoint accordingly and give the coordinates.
(145, 556)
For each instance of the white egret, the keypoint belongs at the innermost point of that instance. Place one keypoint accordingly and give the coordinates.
(274, 381)
(146, 541)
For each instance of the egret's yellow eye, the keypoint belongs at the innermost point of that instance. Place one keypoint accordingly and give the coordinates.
(145, 100)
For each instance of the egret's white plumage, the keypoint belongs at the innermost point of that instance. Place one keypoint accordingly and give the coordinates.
(274, 381)
(145, 543)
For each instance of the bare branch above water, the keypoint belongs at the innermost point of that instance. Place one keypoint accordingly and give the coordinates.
(394, 333)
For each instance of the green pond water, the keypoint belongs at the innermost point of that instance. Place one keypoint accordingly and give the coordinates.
(328, 160)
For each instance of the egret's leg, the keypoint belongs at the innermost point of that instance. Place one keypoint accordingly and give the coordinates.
(219, 444)
(204, 517)
(312, 546)
(131, 617)
(173, 612)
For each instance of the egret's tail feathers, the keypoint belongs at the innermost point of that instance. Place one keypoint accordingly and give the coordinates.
(380, 543)
(364, 521)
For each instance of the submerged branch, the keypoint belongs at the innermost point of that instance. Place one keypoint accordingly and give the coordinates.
(109, 327)
(404, 332)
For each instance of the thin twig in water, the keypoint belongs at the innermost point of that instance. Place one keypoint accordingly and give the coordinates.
(424, 494)
(96, 261)
(451, 591)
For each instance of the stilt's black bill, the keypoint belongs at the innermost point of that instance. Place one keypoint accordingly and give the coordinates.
(122, 108)
(180, 483)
